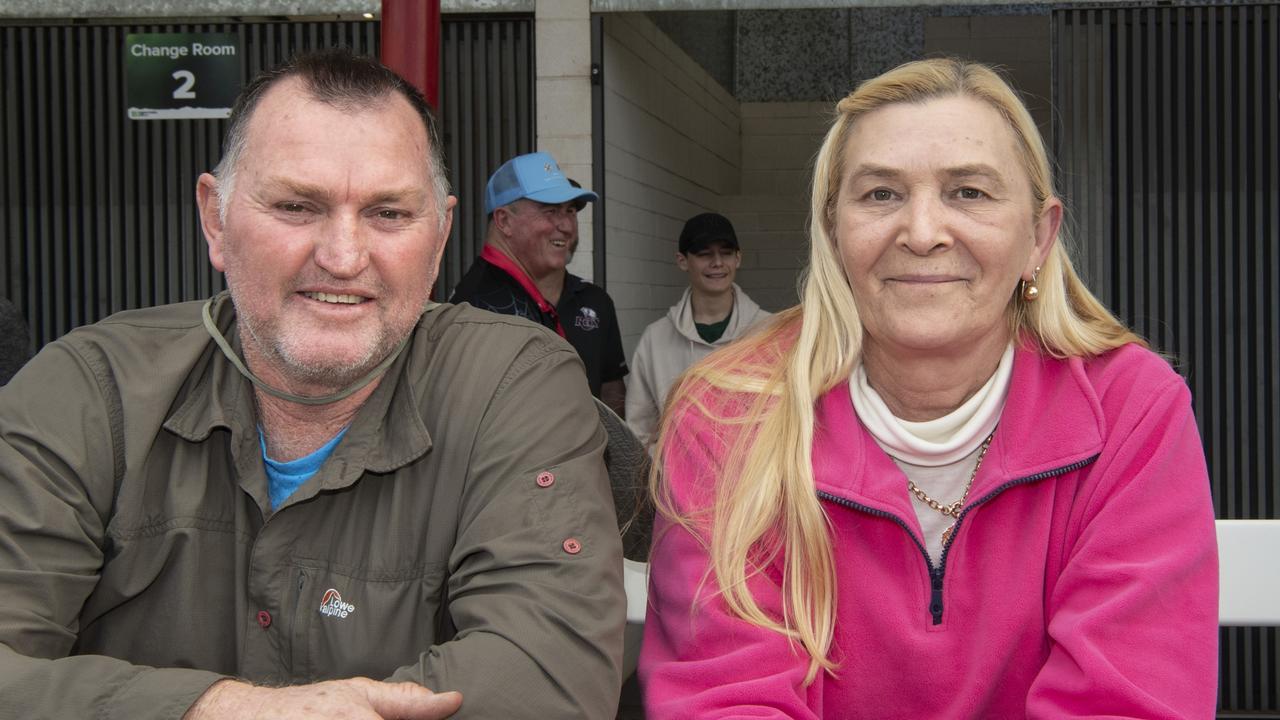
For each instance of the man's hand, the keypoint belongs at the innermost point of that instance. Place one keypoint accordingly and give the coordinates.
(352, 699)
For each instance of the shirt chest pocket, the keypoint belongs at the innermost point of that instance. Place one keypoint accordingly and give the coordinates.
(368, 624)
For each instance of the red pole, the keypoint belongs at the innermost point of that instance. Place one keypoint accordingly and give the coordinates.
(411, 43)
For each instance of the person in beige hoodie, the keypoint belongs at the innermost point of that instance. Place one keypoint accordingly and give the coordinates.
(712, 313)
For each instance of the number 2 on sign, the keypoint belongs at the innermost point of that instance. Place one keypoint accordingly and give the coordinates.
(184, 90)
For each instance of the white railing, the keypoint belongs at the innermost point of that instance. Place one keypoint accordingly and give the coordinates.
(1249, 572)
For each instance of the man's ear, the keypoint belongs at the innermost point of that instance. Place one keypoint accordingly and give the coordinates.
(503, 219)
(446, 226)
(209, 203)
(682, 262)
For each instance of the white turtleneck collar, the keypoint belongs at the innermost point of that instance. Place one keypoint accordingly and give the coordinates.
(942, 441)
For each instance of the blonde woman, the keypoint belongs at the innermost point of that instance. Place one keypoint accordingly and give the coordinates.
(950, 484)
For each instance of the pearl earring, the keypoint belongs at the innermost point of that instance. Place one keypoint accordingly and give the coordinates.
(1029, 290)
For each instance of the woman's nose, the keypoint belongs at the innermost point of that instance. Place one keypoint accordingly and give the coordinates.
(925, 229)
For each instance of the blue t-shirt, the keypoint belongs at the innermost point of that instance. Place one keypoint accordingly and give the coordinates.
(284, 478)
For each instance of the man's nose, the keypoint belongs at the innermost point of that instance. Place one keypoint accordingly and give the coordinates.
(342, 250)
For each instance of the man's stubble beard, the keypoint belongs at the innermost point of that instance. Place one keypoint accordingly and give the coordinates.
(284, 349)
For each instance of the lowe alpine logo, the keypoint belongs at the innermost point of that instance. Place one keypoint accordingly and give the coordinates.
(332, 605)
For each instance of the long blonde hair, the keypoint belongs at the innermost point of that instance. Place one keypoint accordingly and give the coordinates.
(760, 392)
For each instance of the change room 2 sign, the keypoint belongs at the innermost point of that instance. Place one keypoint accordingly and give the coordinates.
(181, 75)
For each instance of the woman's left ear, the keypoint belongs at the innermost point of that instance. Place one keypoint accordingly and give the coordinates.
(1046, 230)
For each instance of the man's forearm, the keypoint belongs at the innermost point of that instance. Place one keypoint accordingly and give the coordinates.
(83, 686)
(228, 699)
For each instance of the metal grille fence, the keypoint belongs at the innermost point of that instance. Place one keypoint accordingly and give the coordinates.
(487, 106)
(97, 212)
(1167, 138)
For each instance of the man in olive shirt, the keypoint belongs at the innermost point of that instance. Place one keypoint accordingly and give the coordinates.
(248, 508)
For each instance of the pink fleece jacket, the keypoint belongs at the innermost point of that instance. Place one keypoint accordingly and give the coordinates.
(1081, 580)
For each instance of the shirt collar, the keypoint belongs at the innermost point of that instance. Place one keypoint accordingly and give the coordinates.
(573, 284)
(1051, 419)
(387, 433)
(503, 262)
(942, 441)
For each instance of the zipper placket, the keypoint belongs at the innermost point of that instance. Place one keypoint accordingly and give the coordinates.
(938, 572)
(294, 651)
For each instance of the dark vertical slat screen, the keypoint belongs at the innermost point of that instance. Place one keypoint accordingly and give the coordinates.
(97, 212)
(1167, 139)
(487, 114)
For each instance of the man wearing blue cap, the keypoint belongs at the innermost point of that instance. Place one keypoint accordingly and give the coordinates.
(533, 228)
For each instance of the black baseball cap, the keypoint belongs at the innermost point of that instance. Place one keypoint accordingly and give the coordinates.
(705, 230)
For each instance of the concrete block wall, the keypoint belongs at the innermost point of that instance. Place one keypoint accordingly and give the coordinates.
(562, 43)
(779, 142)
(672, 150)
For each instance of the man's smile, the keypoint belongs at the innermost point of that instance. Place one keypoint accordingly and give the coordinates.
(335, 298)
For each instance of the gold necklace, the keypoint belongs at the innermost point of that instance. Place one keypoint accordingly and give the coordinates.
(952, 510)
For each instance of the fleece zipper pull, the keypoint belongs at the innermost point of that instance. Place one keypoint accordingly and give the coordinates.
(935, 596)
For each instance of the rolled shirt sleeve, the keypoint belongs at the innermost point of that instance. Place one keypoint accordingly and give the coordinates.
(535, 586)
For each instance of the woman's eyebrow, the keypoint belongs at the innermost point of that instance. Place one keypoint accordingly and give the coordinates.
(872, 170)
(975, 170)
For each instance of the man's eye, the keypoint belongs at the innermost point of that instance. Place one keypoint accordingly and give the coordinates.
(388, 214)
(292, 207)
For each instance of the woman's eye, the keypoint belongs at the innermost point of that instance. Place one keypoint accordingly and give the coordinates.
(881, 195)
(971, 194)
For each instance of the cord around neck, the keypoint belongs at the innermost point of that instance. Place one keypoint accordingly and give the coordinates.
(261, 384)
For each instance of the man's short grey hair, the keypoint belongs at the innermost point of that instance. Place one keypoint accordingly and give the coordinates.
(343, 80)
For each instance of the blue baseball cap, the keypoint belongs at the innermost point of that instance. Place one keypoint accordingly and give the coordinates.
(535, 176)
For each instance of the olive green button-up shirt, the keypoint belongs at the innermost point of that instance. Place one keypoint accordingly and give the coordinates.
(461, 535)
